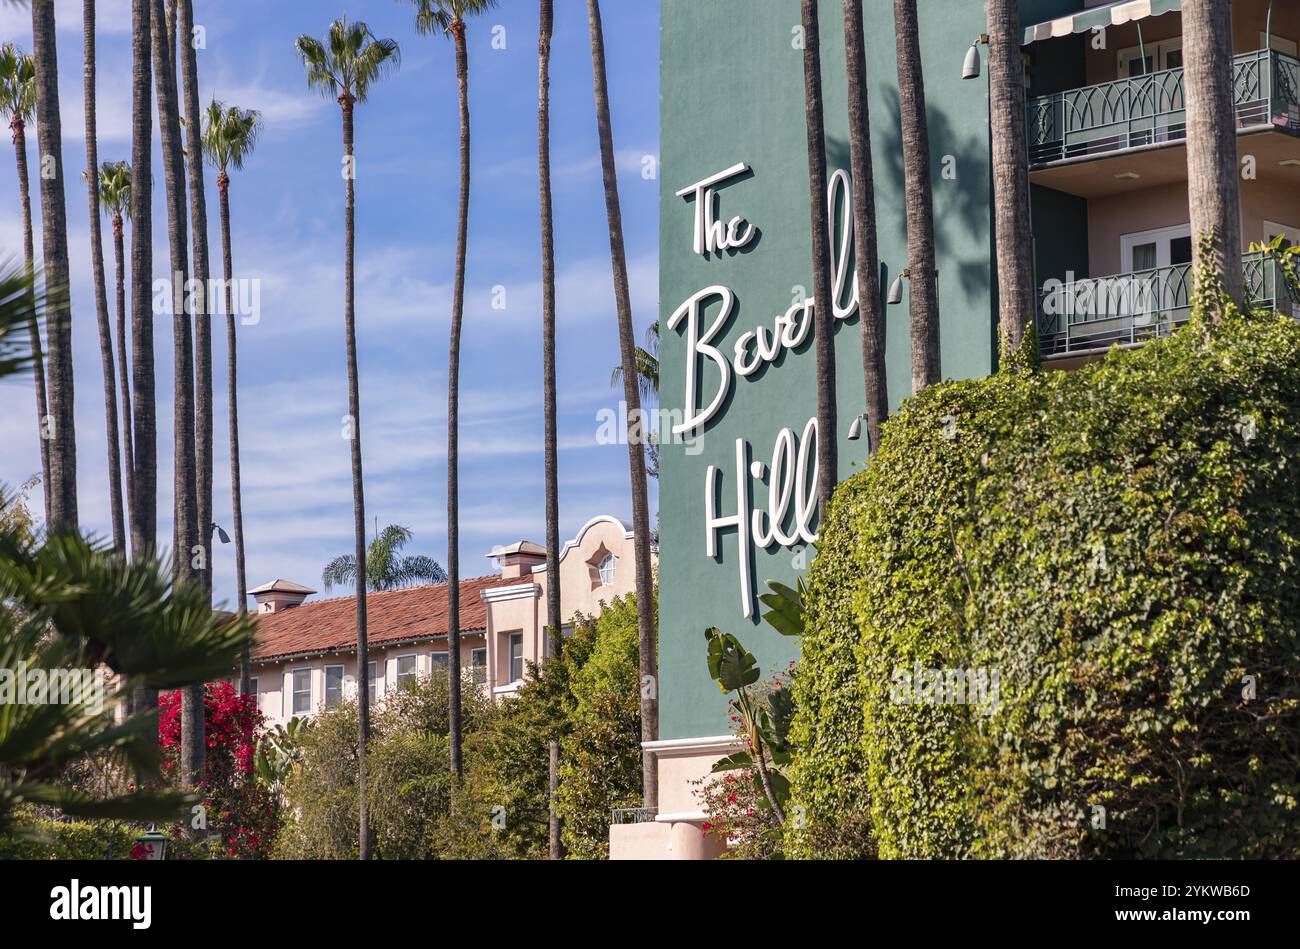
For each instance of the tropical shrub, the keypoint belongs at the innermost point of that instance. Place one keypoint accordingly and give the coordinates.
(600, 756)
(36, 838)
(408, 775)
(241, 809)
(1115, 547)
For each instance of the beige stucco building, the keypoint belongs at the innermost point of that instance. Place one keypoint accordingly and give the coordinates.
(304, 655)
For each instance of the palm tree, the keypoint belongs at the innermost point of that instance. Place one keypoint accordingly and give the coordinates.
(448, 16)
(866, 257)
(101, 292)
(229, 135)
(1212, 184)
(143, 482)
(115, 198)
(184, 10)
(1010, 175)
(386, 568)
(647, 647)
(344, 67)
(551, 462)
(18, 104)
(647, 382)
(924, 297)
(54, 233)
(824, 340)
(186, 535)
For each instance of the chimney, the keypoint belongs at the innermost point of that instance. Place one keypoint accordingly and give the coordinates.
(518, 559)
(279, 595)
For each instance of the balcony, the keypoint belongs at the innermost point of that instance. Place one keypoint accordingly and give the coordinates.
(1148, 111)
(1086, 316)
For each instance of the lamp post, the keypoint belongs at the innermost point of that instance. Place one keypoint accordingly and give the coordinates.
(151, 845)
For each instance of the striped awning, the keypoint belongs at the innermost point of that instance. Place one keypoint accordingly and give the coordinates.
(1113, 14)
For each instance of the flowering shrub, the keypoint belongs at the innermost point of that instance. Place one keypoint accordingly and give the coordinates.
(740, 814)
(242, 810)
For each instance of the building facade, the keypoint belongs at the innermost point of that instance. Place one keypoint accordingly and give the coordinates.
(304, 653)
(1105, 139)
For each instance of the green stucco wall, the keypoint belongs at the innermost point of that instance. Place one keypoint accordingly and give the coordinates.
(731, 88)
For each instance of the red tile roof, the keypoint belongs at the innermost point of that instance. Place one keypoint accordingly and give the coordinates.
(391, 616)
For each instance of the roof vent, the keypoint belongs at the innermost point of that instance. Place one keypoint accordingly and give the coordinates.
(279, 595)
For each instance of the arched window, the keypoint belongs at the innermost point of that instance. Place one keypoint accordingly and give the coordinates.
(607, 569)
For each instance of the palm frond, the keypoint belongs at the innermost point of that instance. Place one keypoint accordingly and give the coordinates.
(316, 62)
(20, 306)
(339, 572)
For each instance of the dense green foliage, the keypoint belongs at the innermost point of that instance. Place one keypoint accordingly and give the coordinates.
(33, 838)
(586, 699)
(600, 756)
(1119, 545)
(408, 774)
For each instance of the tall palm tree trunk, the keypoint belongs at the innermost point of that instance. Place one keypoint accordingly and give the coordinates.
(34, 330)
(101, 291)
(232, 423)
(143, 483)
(58, 305)
(1010, 175)
(453, 409)
(123, 369)
(924, 281)
(185, 535)
(1213, 187)
(647, 646)
(202, 319)
(824, 338)
(554, 618)
(866, 256)
(144, 421)
(346, 102)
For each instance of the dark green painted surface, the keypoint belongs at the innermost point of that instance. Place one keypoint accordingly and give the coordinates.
(1061, 229)
(731, 89)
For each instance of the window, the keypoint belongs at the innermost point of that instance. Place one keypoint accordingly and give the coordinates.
(1166, 54)
(478, 665)
(516, 657)
(333, 686)
(548, 644)
(252, 687)
(438, 663)
(407, 671)
(1290, 237)
(607, 566)
(301, 691)
(372, 675)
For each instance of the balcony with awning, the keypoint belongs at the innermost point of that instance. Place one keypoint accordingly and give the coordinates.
(1106, 112)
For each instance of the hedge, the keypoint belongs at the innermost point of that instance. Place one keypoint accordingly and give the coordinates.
(35, 838)
(1119, 545)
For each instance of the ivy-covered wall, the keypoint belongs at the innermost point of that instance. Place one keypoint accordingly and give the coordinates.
(1119, 545)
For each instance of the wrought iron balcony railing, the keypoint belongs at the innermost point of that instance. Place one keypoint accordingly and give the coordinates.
(1150, 110)
(1128, 309)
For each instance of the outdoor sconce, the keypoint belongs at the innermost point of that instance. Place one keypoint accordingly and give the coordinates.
(221, 534)
(896, 288)
(970, 69)
(152, 844)
(855, 430)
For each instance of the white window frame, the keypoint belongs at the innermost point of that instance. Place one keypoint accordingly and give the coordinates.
(510, 657)
(372, 680)
(613, 566)
(1162, 237)
(433, 659)
(252, 686)
(476, 666)
(293, 691)
(325, 695)
(397, 668)
(1158, 50)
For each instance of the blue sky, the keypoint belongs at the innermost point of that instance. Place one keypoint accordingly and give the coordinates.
(287, 232)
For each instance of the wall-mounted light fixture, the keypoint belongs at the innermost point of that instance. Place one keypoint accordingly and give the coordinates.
(221, 534)
(896, 288)
(970, 69)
